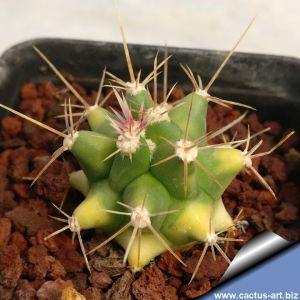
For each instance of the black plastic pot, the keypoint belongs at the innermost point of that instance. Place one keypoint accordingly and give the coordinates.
(269, 83)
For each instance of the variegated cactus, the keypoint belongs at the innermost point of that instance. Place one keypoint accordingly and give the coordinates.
(150, 178)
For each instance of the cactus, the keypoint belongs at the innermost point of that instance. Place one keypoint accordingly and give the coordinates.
(150, 178)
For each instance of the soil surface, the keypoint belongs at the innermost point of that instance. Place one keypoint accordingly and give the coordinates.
(34, 268)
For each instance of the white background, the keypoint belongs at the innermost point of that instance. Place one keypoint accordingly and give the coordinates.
(214, 24)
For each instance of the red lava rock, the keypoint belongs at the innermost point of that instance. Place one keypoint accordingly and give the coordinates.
(266, 198)
(111, 265)
(197, 288)
(289, 193)
(288, 214)
(20, 163)
(241, 129)
(167, 262)
(70, 259)
(152, 285)
(79, 88)
(33, 108)
(3, 171)
(38, 206)
(176, 94)
(268, 217)
(37, 283)
(230, 204)
(54, 244)
(100, 280)
(276, 128)
(246, 178)
(54, 183)
(79, 280)
(21, 190)
(11, 127)
(245, 236)
(271, 182)
(256, 163)
(268, 143)
(274, 166)
(18, 239)
(11, 266)
(5, 158)
(257, 221)
(37, 256)
(35, 154)
(212, 119)
(48, 90)
(231, 250)
(235, 187)
(95, 294)
(43, 264)
(37, 137)
(56, 269)
(96, 240)
(51, 290)
(26, 220)
(4, 163)
(6, 293)
(28, 91)
(39, 239)
(174, 281)
(121, 288)
(254, 123)
(13, 143)
(290, 234)
(25, 291)
(247, 198)
(7, 201)
(209, 268)
(3, 179)
(293, 141)
(5, 231)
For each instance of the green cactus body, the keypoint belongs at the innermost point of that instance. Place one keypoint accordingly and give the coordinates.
(191, 222)
(148, 176)
(221, 165)
(124, 168)
(149, 189)
(221, 219)
(149, 247)
(124, 175)
(197, 125)
(171, 173)
(91, 149)
(159, 131)
(98, 121)
(136, 97)
(91, 212)
(79, 182)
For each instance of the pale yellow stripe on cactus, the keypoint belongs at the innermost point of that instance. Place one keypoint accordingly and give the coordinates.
(150, 247)
(221, 219)
(79, 181)
(229, 161)
(193, 221)
(90, 214)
